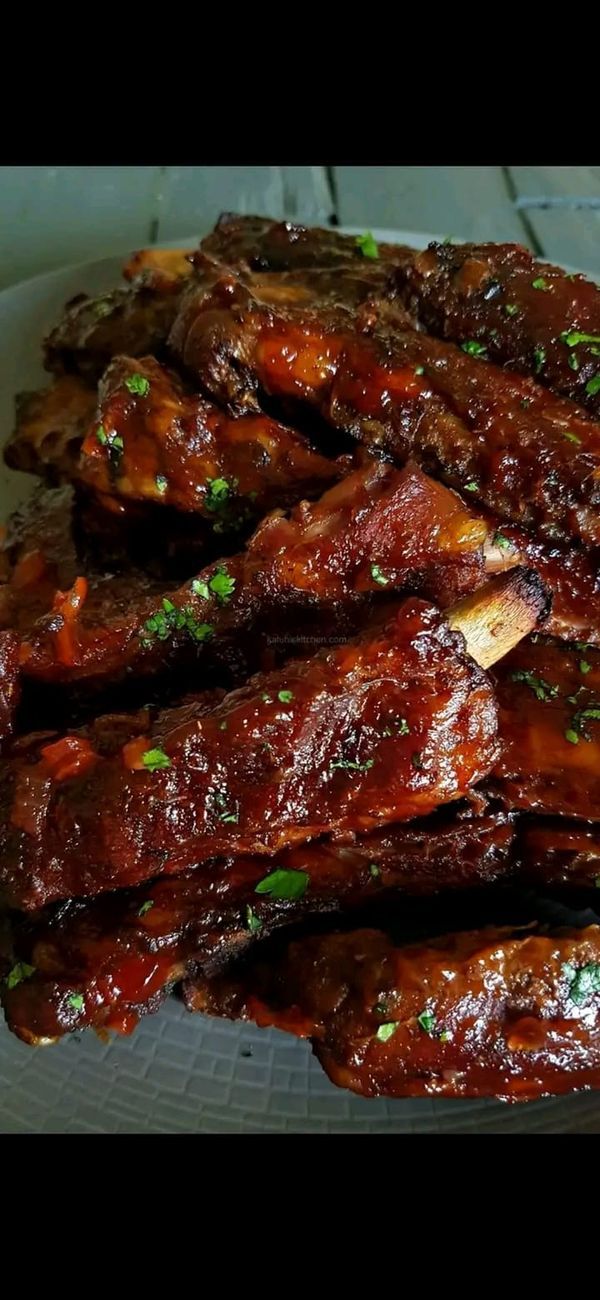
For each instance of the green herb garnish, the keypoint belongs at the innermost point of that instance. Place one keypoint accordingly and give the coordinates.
(511, 308)
(540, 687)
(170, 619)
(573, 337)
(146, 907)
(367, 245)
(573, 362)
(75, 1000)
(155, 759)
(200, 588)
(348, 765)
(161, 483)
(472, 486)
(284, 883)
(540, 283)
(593, 386)
(252, 922)
(385, 1031)
(20, 971)
(285, 697)
(584, 666)
(427, 1022)
(539, 357)
(138, 384)
(583, 982)
(571, 437)
(502, 542)
(571, 736)
(419, 370)
(219, 491)
(222, 585)
(374, 871)
(378, 576)
(474, 348)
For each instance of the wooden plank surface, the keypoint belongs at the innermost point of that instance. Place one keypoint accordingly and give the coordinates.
(468, 202)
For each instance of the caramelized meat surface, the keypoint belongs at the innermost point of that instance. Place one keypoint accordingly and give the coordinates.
(51, 425)
(134, 320)
(266, 245)
(384, 728)
(121, 953)
(549, 701)
(483, 1013)
(378, 530)
(527, 315)
(154, 441)
(528, 456)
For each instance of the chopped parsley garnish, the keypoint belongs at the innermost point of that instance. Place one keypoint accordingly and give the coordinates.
(525, 402)
(219, 491)
(224, 813)
(502, 542)
(583, 982)
(511, 308)
(367, 245)
(138, 384)
(161, 483)
(252, 922)
(102, 307)
(284, 883)
(20, 971)
(200, 588)
(229, 817)
(285, 697)
(374, 871)
(571, 736)
(155, 759)
(540, 283)
(573, 362)
(75, 1001)
(593, 386)
(171, 619)
(378, 576)
(474, 348)
(111, 440)
(571, 437)
(573, 337)
(578, 719)
(419, 370)
(427, 1022)
(385, 1031)
(584, 666)
(222, 585)
(349, 766)
(542, 689)
(146, 907)
(223, 726)
(539, 357)
(472, 486)
(403, 727)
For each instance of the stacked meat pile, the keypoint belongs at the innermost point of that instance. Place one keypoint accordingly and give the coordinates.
(299, 693)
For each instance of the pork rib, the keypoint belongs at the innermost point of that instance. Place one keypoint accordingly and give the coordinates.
(485, 1013)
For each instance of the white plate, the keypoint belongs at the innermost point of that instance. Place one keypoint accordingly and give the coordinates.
(183, 1073)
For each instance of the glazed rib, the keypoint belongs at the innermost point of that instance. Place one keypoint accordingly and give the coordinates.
(384, 728)
(549, 702)
(266, 245)
(122, 952)
(379, 530)
(530, 457)
(528, 315)
(478, 1014)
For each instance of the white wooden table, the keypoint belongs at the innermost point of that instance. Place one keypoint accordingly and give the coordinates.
(50, 216)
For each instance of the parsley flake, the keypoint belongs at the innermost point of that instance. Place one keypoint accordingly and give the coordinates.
(573, 337)
(21, 971)
(285, 697)
(252, 922)
(138, 385)
(584, 666)
(378, 576)
(571, 736)
(284, 883)
(540, 283)
(542, 689)
(154, 759)
(222, 585)
(511, 308)
(539, 357)
(426, 1020)
(374, 871)
(348, 765)
(474, 349)
(385, 1031)
(593, 386)
(583, 982)
(75, 1000)
(502, 542)
(146, 907)
(161, 483)
(200, 588)
(419, 370)
(218, 492)
(573, 362)
(571, 437)
(472, 486)
(367, 245)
